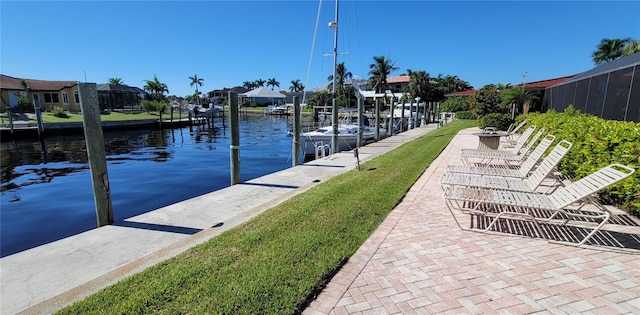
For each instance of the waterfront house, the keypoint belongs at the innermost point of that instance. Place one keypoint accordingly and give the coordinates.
(263, 96)
(43, 93)
(119, 97)
(219, 97)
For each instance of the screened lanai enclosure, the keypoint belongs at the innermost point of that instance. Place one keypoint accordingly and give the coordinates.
(610, 91)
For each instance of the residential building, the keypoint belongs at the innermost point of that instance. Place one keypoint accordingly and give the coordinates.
(219, 97)
(119, 97)
(46, 94)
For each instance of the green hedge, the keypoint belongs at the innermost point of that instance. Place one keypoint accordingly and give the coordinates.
(596, 143)
(496, 120)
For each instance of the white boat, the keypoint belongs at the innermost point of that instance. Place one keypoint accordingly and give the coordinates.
(278, 110)
(319, 141)
(211, 112)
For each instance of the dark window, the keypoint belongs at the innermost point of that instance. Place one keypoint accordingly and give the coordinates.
(633, 112)
(582, 91)
(51, 98)
(597, 90)
(569, 94)
(615, 104)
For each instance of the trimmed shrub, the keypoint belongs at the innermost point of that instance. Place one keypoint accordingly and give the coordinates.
(466, 115)
(499, 121)
(597, 143)
(60, 112)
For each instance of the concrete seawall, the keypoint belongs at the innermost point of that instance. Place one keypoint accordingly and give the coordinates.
(49, 277)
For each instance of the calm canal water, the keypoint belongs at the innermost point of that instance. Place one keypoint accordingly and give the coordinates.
(46, 197)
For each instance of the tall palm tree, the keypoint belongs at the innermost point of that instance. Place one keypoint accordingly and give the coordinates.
(342, 75)
(156, 89)
(296, 86)
(380, 69)
(259, 82)
(420, 85)
(197, 82)
(631, 48)
(115, 81)
(273, 83)
(609, 49)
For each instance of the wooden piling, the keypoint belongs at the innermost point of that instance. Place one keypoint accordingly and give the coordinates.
(360, 121)
(234, 149)
(95, 151)
(296, 131)
(390, 127)
(377, 109)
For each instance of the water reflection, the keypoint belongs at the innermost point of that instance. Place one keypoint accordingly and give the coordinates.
(45, 197)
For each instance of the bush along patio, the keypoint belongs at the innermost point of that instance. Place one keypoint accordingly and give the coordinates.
(596, 143)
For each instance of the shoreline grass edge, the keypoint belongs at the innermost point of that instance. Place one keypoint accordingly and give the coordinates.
(279, 261)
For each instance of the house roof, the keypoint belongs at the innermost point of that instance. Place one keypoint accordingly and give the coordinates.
(546, 83)
(399, 79)
(611, 66)
(263, 92)
(463, 93)
(11, 83)
(118, 88)
(236, 89)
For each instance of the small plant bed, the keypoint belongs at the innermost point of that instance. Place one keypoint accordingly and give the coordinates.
(279, 261)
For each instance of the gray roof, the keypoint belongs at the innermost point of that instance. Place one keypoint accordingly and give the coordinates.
(118, 88)
(263, 92)
(611, 66)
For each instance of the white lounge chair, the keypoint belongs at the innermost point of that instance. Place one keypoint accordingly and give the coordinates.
(487, 156)
(520, 171)
(528, 184)
(518, 146)
(509, 141)
(523, 204)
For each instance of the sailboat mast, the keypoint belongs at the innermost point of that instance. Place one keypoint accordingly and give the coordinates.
(334, 107)
(334, 26)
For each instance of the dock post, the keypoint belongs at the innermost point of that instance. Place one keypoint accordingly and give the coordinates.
(234, 149)
(377, 120)
(334, 121)
(360, 121)
(38, 111)
(95, 151)
(390, 131)
(296, 131)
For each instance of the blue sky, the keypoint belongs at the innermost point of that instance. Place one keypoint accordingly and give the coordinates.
(229, 42)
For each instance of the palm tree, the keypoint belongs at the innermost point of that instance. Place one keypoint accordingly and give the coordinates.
(517, 98)
(609, 49)
(273, 83)
(156, 89)
(247, 85)
(259, 83)
(380, 69)
(296, 86)
(197, 82)
(115, 81)
(342, 75)
(631, 48)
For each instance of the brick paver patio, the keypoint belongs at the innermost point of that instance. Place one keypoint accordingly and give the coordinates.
(419, 262)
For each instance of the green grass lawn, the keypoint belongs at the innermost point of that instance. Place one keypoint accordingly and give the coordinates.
(113, 116)
(279, 261)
